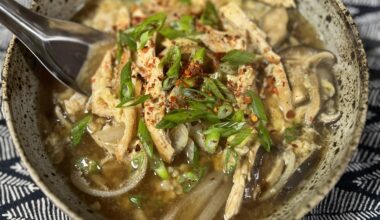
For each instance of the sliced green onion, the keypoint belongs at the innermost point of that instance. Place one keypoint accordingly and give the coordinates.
(210, 85)
(192, 154)
(210, 16)
(239, 57)
(231, 159)
(186, 24)
(145, 138)
(291, 134)
(196, 95)
(240, 138)
(257, 106)
(79, 129)
(154, 22)
(182, 116)
(199, 55)
(125, 39)
(127, 90)
(223, 88)
(136, 200)
(225, 111)
(172, 33)
(189, 180)
(238, 116)
(159, 168)
(173, 60)
(144, 38)
(88, 166)
(226, 129)
(134, 101)
(197, 106)
(212, 141)
(182, 28)
(264, 137)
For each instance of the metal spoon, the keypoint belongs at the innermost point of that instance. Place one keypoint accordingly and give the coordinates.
(70, 52)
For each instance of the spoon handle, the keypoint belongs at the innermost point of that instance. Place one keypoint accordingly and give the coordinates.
(25, 24)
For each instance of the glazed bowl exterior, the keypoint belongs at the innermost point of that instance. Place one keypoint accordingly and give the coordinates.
(22, 84)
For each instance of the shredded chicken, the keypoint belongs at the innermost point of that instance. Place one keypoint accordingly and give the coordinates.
(234, 18)
(235, 198)
(241, 176)
(154, 108)
(104, 102)
(223, 42)
(241, 83)
(74, 105)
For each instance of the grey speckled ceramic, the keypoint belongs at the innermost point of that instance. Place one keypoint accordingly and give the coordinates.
(333, 22)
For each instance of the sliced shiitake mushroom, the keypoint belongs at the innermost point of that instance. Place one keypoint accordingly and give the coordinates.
(310, 76)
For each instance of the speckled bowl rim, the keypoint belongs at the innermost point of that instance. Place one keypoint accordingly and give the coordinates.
(9, 120)
(321, 192)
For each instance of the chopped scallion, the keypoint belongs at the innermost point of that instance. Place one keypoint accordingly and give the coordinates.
(225, 111)
(212, 140)
(210, 16)
(239, 57)
(136, 200)
(264, 137)
(87, 166)
(127, 89)
(79, 129)
(145, 138)
(257, 106)
(231, 159)
(159, 168)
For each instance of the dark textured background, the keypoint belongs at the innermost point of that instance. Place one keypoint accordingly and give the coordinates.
(356, 196)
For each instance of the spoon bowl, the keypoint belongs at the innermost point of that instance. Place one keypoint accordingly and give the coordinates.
(69, 51)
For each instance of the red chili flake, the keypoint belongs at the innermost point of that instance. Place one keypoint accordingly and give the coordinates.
(145, 49)
(275, 91)
(290, 114)
(247, 100)
(172, 99)
(219, 55)
(192, 69)
(150, 108)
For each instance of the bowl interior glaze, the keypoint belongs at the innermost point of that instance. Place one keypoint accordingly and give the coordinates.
(21, 84)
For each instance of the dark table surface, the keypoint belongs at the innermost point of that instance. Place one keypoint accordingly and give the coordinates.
(356, 196)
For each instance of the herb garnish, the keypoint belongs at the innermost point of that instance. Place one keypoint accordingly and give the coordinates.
(79, 129)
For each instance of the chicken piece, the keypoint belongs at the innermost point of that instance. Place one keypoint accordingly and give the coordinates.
(275, 24)
(235, 197)
(222, 42)
(252, 158)
(241, 176)
(74, 105)
(109, 14)
(154, 108)
(104, 102)
(282, 3)
(241, 83)
(234, 18)
(123, 20)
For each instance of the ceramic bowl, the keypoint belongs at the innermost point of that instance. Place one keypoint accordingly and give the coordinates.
(21, 85)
